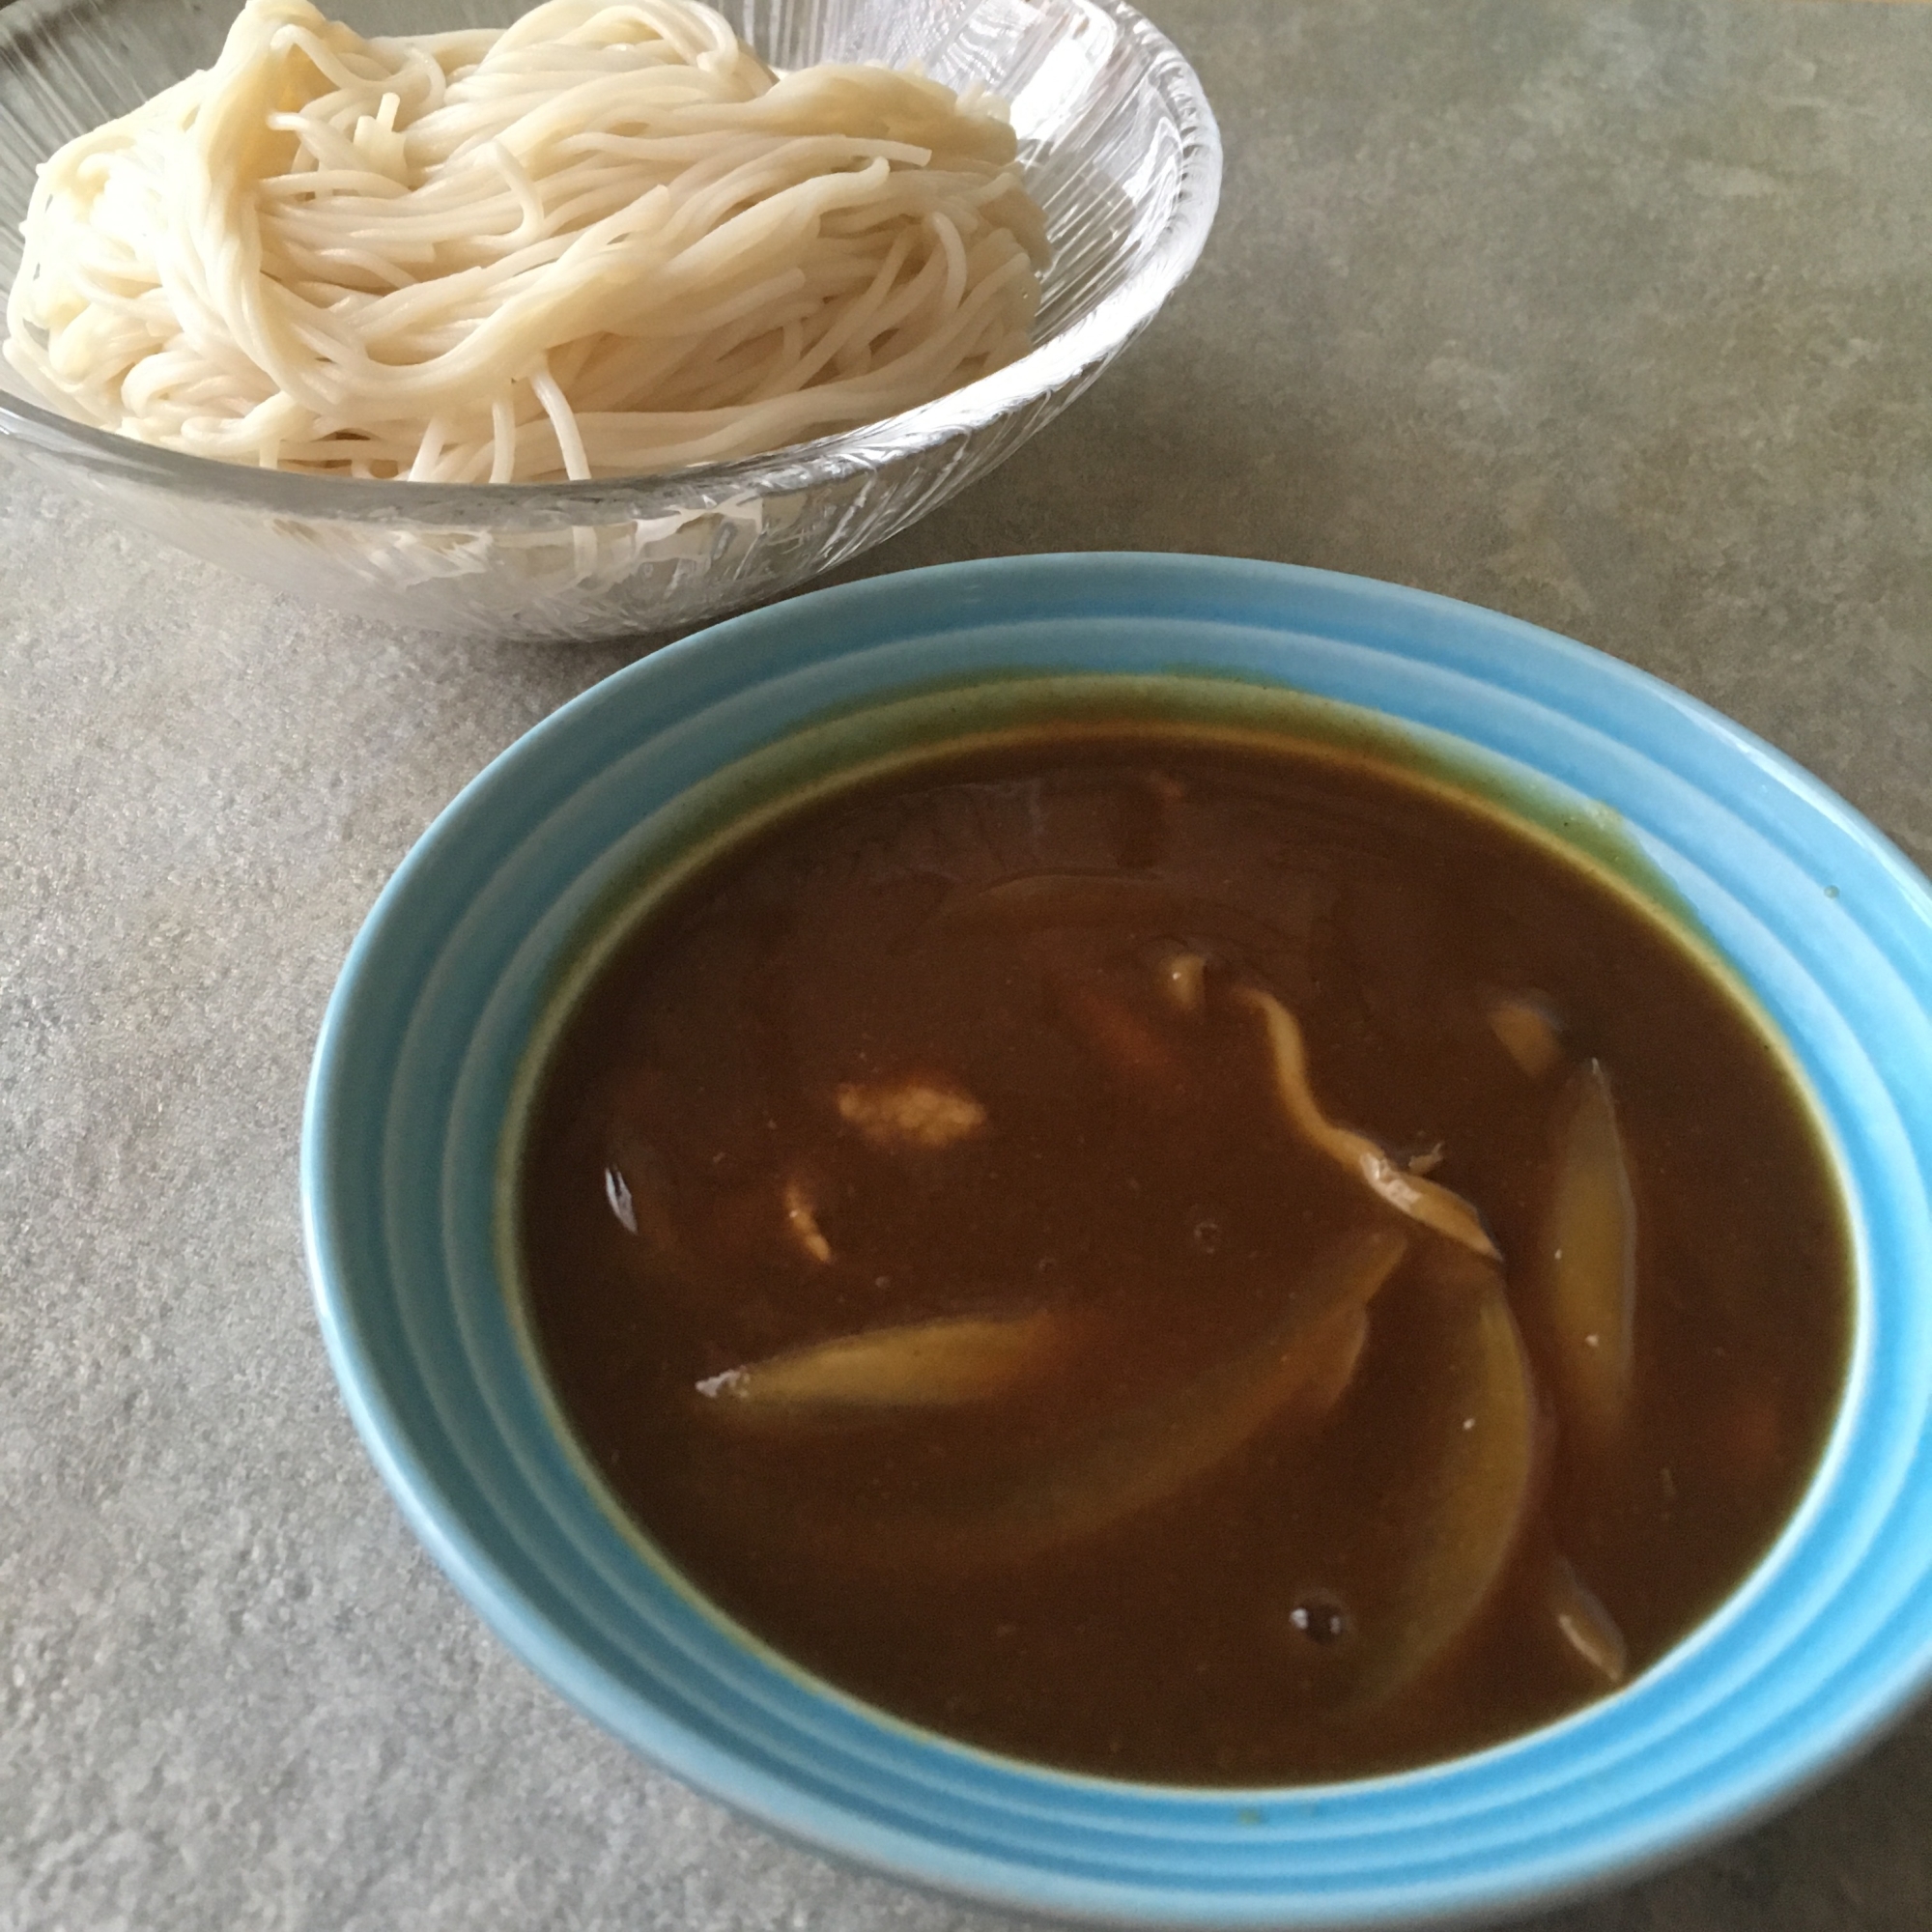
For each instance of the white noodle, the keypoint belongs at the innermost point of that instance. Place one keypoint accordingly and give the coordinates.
(606, 241)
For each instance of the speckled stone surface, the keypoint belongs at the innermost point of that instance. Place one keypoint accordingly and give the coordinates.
(1616, 317)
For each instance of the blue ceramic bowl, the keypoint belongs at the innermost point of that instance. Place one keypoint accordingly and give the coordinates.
(461, 969)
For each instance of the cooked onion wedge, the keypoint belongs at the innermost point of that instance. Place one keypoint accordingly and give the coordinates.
(1474, 1483)
(1301, 1366)
(1587, 1258)
(1333, 1357)
(1183, 978)
(1122, 1039)
(922, 1365)
(1422, 1200)
(1526, 1032)
(1586, 1628)
(801, 1217)
(636, 1190)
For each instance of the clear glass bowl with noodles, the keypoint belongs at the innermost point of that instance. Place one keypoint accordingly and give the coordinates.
(1119, 148)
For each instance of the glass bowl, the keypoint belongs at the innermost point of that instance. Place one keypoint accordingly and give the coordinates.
(442, 1008)
(1121, 149)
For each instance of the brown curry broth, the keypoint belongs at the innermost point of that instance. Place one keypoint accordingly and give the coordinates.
(1170, 1203)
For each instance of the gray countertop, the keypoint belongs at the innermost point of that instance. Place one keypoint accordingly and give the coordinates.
(1617, 317)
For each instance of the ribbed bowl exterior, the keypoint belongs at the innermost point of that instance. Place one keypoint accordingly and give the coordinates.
(1121, 149)
(445, 997)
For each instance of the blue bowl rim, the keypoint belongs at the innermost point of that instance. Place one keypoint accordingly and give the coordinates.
(964, 597)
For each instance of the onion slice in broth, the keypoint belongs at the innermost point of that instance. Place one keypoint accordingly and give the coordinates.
(1587, 1629)
(921, 1365)
(1475, 1484)
(1299, 1367)
(1587, 1258)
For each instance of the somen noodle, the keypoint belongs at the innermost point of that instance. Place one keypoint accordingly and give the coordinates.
(607, 240)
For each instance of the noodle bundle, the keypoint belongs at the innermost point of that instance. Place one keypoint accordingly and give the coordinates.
(605, 240)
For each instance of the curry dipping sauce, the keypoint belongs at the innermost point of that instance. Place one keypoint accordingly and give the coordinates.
(1185, 1256)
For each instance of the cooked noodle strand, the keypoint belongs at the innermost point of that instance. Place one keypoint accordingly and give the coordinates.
(606, 241)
